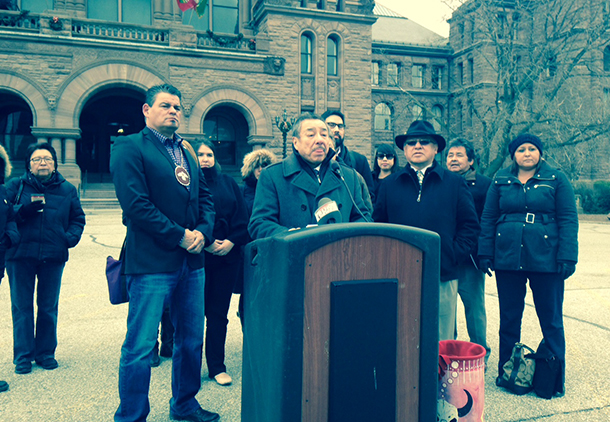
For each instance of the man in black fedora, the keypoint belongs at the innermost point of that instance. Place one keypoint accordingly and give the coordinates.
(425, 195)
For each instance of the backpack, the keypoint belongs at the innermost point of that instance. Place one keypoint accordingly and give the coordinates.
(518, 376)
(548, 378)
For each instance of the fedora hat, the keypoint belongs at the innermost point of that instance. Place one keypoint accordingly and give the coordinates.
(420, 129)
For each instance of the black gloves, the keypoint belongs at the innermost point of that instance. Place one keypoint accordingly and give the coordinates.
(486, 265)
(30, 210)
(566, 269)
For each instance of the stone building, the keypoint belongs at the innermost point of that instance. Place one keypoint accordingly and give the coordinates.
(409, 76)
(74, 73)
(540, 67)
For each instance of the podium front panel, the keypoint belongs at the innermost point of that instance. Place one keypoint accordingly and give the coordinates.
(361, 258)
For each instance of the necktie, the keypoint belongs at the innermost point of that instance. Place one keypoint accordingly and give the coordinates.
(317, 173)
(420, 177)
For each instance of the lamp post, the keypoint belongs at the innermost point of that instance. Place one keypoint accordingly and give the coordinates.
(284, 124)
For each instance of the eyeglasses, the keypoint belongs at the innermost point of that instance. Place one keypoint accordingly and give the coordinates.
(385, 157)
(422, 142)
(336, 125)
(37, 160)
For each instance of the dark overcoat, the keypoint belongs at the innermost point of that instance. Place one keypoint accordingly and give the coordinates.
(359, 163)
(530, 227)
(445, 207)
(286, 196)
(156, 208)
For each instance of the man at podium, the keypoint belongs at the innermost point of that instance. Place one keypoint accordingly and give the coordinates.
(308, 187)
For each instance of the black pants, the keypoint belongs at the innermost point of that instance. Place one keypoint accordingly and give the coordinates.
(547, 290)
(219, 283)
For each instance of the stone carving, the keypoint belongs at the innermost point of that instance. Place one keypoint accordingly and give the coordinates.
(307, 89)
(333, 90)
(274, 65)
(52, 101)
(186, 109)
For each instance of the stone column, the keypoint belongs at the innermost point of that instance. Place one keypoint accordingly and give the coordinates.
(56, 143)
(70, 151)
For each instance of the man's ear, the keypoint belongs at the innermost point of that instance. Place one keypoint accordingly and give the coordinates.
(145, 109)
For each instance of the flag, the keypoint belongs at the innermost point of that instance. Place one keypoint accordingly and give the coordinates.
(185, 5)
(201, 7)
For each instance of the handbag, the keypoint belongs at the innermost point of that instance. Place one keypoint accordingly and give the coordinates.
(117, 281)
(548, 377)
(519, 370)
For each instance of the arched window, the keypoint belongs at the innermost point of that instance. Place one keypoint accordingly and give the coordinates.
(332, 56)
(417, 112)
(16, 121)
(220, 130)
(36, 6)
(437, 117)
(306, 53)
(383, 117)
(607, 59)
(127, 11)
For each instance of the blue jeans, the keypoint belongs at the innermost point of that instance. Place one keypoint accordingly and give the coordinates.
(29, 345)
(183, 290)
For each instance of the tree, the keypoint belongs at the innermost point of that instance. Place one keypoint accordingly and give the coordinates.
(530, 66)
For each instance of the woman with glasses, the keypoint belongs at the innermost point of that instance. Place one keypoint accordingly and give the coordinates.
(49, 220)
(385, 164)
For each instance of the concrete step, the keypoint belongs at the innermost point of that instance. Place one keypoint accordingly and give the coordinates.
(100, 203)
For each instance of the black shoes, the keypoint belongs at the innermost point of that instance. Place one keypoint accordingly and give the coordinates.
(23, 367)
(48, 363)
(166, 350)
(199, 415)
(3, 386)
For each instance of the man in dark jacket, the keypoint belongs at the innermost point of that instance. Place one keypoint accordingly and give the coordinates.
(288, 193)
(425, 195)
(471, 281)
(336, 123)
(169, 214)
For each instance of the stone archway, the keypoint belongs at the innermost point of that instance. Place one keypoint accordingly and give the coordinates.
(77, 90)
(31, 94)
(255, 113)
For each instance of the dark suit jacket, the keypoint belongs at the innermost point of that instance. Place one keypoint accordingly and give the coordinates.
(156, 208)
(359, 163)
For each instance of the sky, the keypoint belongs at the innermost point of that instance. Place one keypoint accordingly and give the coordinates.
(431, 14)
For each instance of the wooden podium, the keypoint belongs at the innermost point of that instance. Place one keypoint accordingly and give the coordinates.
(341, 324)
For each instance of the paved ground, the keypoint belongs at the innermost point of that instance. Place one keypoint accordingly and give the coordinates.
(84, 387)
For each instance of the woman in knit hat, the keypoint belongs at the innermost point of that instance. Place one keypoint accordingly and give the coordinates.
(529, 232)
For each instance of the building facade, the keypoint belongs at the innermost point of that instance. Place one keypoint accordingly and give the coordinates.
(74, 73)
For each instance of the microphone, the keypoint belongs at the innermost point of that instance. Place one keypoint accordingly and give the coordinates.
(327, 212)
(336, 169)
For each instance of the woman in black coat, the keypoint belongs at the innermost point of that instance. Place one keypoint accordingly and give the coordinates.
(50, 220)
(222, 258)
(385, 164)
(529, 232)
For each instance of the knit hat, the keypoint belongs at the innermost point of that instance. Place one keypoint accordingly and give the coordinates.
(525, 138)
